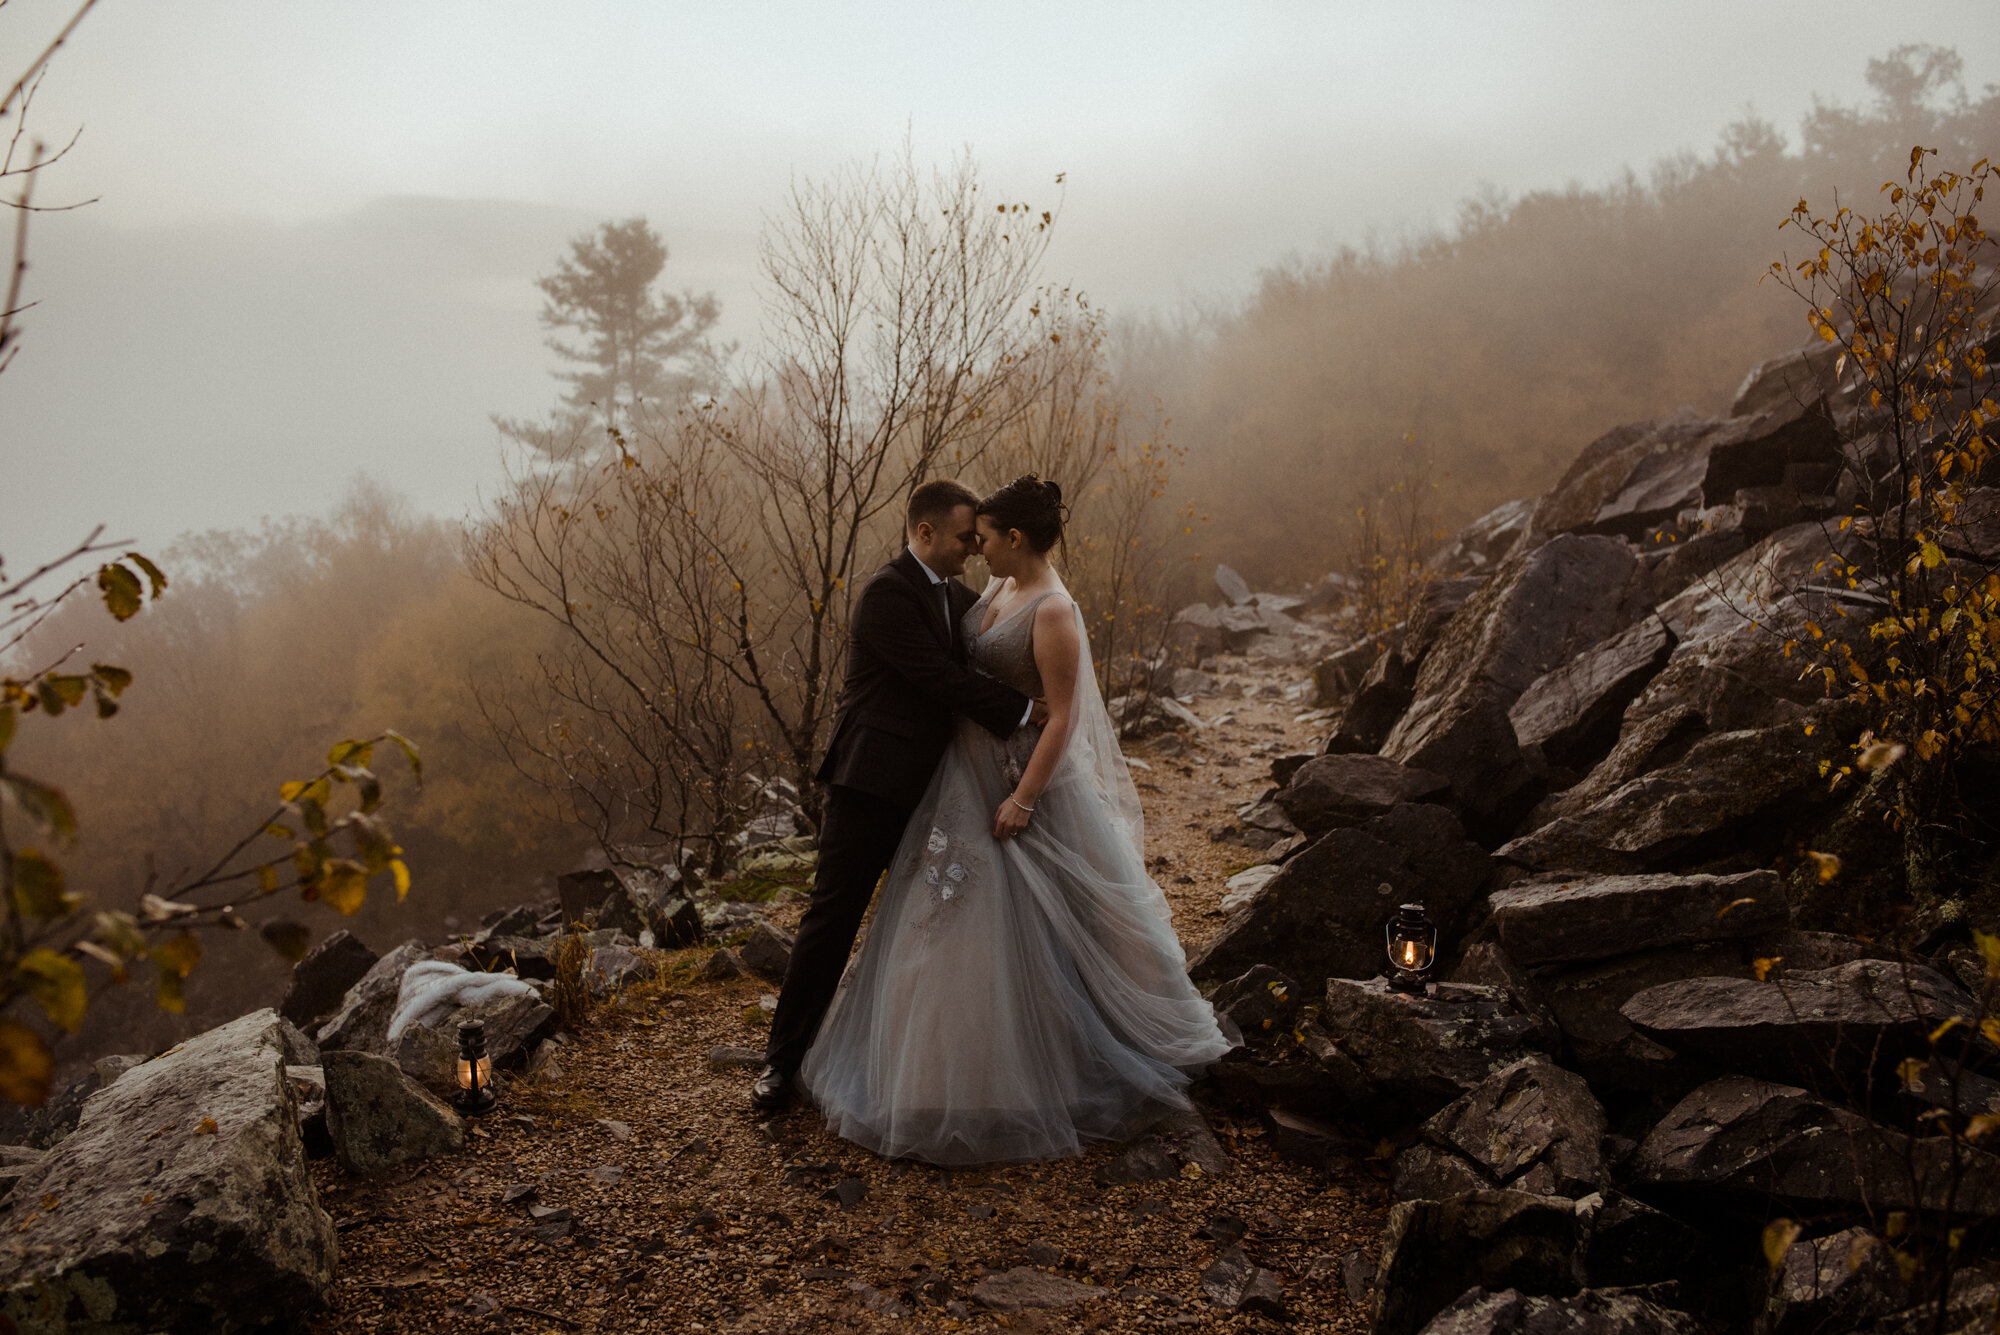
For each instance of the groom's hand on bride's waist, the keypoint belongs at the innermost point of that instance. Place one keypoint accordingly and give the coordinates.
(1038, 712)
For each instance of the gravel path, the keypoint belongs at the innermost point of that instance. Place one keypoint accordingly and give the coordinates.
(633, 1190)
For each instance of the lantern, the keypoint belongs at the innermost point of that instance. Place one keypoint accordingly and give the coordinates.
(1412, 945)
(475, 1071)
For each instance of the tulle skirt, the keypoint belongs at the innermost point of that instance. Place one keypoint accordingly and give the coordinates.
(1013, 1000)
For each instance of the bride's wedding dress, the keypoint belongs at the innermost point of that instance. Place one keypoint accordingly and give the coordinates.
(1014, 999)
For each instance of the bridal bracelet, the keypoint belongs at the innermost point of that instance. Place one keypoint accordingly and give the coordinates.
(1029, 810)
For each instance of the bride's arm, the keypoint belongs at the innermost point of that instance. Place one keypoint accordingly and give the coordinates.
(1058, 652)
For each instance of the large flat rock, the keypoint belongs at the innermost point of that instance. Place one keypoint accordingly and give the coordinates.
(1759, 1140)
(1427, 1048)
(1555, 920)
(1708, 801)
(1334, 790)
(1848, 1016)
(1537, 612)
(181, 1202)
(1585, 1001)
(1571, 714)
(1324, 912)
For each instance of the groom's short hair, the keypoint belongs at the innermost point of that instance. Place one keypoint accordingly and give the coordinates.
(934, 501)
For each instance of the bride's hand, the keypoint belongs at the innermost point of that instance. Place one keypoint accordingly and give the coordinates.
(1010, 819)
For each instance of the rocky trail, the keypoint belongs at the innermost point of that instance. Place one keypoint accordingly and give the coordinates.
(627, 1187)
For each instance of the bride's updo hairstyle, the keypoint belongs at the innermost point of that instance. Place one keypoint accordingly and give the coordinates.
(1032, 505)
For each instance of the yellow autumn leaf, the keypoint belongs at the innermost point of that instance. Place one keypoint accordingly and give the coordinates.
(1779, 1235)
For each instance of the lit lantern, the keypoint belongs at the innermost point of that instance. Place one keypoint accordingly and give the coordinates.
(1412, 943)
(475, 1071)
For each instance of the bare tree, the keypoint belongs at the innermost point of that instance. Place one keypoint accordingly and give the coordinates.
(702, 573)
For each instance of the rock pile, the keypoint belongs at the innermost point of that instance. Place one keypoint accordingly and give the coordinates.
(1588, 756)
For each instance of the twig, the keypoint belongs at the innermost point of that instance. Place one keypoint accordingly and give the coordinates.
(536, 1311)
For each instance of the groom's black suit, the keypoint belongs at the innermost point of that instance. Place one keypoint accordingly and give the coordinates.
(907, 676)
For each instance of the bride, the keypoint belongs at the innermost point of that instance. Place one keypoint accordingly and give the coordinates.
(1021, 989)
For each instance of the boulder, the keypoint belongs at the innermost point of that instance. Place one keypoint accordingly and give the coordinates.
(1426, 1173)
(1844, 1018)
(1384, 692)
(1631, 1243)
(1707, 539)
(514, 1027)
(1197, 631)
(723, 965)
(1531, 1126)
(528, 957)
(1537, 612)
(1303, 1139)
(1571, 715)
(1485, 542)
(362, 1022)
(1785, 443)
(1232, 585)
(1554, 920)
(1341, 674)
(1585, 1002)
(1324, 912)
(1235, 1283)
(1335, 790)
(1758, 1140)
(1436, 604)
(1787, 381)
(614, 968)
(1429, 1048)
(1590, 1312)
(1729, 662)
(1839, 1282)
(181, 1202)
(380, 1118)
(1263, 1004)
(1629, 480)
(1489, 964)
(521, 920)
(1303, 1070)
(1244, 885)
(321, 979)
(768, 952)
(1433, 1251)
(1701, 805)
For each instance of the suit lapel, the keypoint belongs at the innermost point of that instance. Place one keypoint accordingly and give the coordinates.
(912, 570)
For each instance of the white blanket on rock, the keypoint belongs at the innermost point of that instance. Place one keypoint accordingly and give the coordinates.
(433, 989)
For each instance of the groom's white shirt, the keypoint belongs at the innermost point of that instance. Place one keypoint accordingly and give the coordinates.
(937, 581)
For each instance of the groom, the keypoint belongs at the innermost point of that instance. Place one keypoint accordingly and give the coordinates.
(907, 675)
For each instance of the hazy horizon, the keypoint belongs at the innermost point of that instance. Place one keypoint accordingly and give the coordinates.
(317, 229)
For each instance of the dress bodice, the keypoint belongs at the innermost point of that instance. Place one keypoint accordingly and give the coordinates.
(1007, 650)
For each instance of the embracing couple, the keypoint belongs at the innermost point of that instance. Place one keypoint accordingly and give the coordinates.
(1021, 989)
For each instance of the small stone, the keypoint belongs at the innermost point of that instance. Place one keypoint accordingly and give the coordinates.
(980, 1211)
(735, 1059)
(609, 1174)
(1357, 1272)
(1022, 1287)
(768, 952)
(1044, 1253)
(518, 1191)
(723, 965)
(549, 1214)
(1227, 1229)
(618, 1130)
(850, 1192)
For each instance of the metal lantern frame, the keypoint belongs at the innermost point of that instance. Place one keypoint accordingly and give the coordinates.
(475, 1071)
(1410, 926)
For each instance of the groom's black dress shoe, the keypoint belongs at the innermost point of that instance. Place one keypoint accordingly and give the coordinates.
(773, 1090)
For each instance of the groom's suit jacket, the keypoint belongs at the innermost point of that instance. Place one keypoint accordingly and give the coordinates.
(907, 675)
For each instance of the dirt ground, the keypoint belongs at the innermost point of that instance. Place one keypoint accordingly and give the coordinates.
(635, 1191)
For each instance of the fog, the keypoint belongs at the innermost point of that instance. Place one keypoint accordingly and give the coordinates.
(317, 226)
(272, 350)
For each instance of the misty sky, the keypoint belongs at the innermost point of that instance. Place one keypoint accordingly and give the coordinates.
(319, 223)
